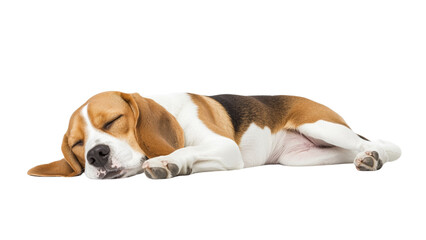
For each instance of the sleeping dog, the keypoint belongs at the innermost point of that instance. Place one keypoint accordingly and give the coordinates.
(117, 135)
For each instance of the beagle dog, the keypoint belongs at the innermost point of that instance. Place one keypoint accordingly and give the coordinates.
(117, 135)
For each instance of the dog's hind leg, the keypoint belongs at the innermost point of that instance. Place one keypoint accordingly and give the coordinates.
(370, 155)
(298, 150)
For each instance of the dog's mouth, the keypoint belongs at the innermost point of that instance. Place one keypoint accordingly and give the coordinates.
(103, 173)
(113, 170)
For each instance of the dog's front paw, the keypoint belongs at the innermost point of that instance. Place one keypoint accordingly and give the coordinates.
(368, 161)
(156, 168)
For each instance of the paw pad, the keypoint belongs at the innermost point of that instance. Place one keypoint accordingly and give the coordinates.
(368, 161)
(160, 169)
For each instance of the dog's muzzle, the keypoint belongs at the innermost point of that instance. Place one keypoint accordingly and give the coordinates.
(99, 157)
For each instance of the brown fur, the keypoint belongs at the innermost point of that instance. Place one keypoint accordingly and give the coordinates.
(303, 111)
(274, 112)
(104, 107)
(213, 115)
(157, 131)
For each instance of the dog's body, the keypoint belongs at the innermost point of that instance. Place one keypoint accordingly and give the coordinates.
(117, 135)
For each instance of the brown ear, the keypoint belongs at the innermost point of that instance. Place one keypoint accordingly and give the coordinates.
(67, 167)
(157, 131)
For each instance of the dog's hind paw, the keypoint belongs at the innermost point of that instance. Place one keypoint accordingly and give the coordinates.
(368, 161)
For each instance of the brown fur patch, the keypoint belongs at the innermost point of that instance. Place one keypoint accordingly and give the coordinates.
(157, 131)
(304, 111)
(213, 115)
(107, 106)
(275, 112)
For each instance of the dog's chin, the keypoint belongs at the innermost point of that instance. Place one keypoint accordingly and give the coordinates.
(113, 174)
(102, 173)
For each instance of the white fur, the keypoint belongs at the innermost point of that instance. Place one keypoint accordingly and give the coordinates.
(343, 137)
(122, 155)
(259, 146)
(204, 150)
(256, 145)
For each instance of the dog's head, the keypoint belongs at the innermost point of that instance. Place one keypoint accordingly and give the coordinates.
(112, 134)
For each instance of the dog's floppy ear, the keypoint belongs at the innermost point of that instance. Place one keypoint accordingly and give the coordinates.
(156, 130)
(67, 167)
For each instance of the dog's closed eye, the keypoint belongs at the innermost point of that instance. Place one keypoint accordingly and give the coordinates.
(78, 143)
(108, 125)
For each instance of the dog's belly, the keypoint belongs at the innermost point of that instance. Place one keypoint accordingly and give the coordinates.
(259, 146)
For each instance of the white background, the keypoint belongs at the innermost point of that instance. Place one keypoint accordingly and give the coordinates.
(364, 59)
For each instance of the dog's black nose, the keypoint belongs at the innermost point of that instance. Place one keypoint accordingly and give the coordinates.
(98, 155)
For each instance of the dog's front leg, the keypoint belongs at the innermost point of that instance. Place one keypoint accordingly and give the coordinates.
(211, 155)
